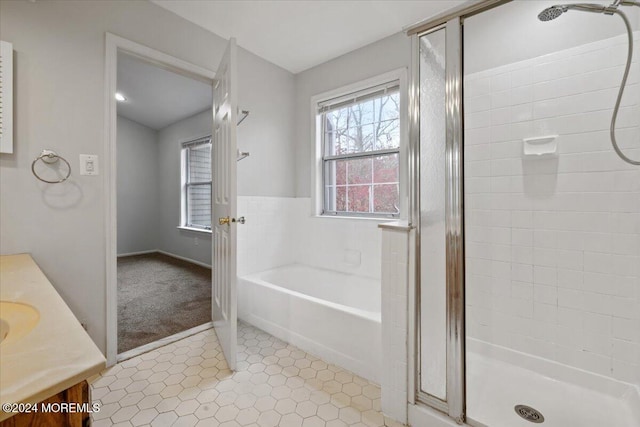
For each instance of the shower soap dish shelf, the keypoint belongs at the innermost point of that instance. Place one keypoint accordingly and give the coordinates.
(540, 145)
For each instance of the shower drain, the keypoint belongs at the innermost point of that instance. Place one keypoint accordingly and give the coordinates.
(529, 414)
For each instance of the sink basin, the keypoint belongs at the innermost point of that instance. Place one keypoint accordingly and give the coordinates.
(16, 321)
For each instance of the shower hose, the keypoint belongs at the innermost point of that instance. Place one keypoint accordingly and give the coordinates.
(614, 117)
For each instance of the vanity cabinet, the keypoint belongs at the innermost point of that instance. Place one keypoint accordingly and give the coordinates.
(46, 358)
(78, 393)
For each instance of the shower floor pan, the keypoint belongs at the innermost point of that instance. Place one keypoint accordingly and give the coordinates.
(580, 399)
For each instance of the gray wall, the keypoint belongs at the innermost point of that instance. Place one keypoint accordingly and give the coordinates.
(194, 245)
(385, 55)
(149, 188)
(138, 195)
(59, 92)
(486, 45)
(268, 93)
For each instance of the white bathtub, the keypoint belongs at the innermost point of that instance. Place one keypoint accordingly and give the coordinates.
(332, 315)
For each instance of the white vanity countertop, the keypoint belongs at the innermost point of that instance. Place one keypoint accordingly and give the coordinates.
(52, 357)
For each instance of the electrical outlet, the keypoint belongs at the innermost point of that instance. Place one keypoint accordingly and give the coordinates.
(196, 241)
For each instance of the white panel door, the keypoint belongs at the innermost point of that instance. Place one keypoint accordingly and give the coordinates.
(224, 293)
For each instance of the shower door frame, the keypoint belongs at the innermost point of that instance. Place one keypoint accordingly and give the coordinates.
(452, 22)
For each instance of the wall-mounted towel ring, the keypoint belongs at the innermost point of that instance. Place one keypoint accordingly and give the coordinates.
(50, 157)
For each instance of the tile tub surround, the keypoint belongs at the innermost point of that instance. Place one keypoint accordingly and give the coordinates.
(281, 231)
(56, 354)
(187, 383)
(265, 241)
(394, 379)
(348, 245)
(553, 244)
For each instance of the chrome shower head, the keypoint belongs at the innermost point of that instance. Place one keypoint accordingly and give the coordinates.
(551, 13)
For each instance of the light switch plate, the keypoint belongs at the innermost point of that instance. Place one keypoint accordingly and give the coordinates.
(89, 164)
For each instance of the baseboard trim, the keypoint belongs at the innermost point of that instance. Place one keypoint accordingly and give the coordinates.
(137, 253)
(192, 261)
(159, 251)
(162, 342)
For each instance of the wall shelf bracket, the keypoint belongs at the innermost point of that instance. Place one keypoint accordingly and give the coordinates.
(243, 115)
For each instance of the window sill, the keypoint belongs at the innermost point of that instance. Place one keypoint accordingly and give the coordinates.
(196, 230)
(380, 220)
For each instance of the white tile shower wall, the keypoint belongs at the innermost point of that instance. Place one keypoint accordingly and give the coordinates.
(553, 244)
(347, 245)
(265, 241)
(395, 269)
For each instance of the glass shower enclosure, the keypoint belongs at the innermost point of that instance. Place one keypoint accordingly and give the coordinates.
(527, 221)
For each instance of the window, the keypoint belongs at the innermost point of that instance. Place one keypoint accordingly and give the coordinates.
(360, 147)
(196, 188)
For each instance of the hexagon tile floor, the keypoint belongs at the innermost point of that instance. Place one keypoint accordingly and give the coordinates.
(188, 383)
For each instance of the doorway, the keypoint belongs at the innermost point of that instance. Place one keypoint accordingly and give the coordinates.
(163, 146)
(159, 179)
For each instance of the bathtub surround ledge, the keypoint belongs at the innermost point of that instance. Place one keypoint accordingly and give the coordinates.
(395, 280)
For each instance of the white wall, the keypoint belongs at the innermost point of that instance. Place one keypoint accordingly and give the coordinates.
(138, 195)
(189, 244)
(487, 46)
(59, 104)
(553, 244)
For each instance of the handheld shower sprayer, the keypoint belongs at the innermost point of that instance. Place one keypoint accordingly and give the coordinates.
(556, 11)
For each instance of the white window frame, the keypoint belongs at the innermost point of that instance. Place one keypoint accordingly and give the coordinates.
(317, 170)
(184, 184)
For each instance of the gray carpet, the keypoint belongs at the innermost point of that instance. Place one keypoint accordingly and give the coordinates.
(159, 296)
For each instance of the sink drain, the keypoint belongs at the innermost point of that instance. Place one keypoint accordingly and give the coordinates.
(529, 414)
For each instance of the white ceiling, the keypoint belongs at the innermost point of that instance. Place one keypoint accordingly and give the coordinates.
(299, 34)
(157, 97)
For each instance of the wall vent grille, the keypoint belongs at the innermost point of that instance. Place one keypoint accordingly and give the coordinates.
(6, 97)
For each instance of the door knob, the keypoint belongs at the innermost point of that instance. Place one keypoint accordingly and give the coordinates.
(228, 220)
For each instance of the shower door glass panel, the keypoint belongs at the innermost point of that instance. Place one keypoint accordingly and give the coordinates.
(552, 241)
(432, 242)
